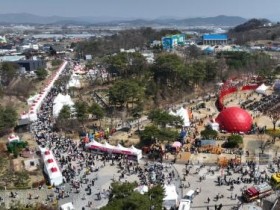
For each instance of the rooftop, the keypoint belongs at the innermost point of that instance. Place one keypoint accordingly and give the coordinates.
(214, 37)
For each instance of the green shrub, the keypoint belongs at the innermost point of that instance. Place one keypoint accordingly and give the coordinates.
(209, 133)
(233, 141)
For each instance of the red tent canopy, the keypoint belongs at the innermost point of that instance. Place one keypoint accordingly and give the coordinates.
(50, 160)
(53, 169)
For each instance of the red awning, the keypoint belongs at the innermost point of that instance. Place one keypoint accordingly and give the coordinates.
(53, 169)
(50, 160)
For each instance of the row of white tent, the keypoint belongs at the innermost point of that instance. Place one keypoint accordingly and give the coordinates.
(51, 167)
(133, 152)
(36, 101)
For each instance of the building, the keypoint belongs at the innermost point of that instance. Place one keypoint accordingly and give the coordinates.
(12, 58)
(88, 57)
(169, 42)
(149, 56)
(31, 65)
(3, 39)
(214, 39)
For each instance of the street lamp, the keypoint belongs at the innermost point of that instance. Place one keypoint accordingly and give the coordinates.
(152, 207)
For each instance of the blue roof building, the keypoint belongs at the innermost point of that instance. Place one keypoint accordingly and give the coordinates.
(214, 39)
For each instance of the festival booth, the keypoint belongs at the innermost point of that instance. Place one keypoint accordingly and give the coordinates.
(171, 198)
(132, 153)
(13, 138)
(51, 167)
(38, 100)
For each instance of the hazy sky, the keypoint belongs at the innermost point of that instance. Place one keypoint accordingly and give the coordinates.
(145, 8)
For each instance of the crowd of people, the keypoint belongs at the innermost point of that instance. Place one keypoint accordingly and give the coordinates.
(79, 167)
(264, 104)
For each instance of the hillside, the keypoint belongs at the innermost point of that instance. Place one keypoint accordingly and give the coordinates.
(25, 18)
(254, 30)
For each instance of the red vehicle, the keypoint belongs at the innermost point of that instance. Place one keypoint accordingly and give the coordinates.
(256, 192)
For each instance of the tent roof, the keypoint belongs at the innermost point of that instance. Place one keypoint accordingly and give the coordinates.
(183, 112)
(262, 88)
(67, 206)
(170, 192)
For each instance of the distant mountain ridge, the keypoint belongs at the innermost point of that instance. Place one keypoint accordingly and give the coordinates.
(25, 18)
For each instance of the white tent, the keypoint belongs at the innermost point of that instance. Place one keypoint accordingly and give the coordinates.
(132, 152)
(214, 126)
(67, 206)
(137, 151)
(60, 101)
(172, 113)
(109, 146)
(171, 197)
(183, 112)
(262, 89)
(74, 81)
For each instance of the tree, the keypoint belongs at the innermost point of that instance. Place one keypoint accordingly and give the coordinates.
(124, 92)
(274, 118)
(123, 197)
(56, 62)
(127, 64)
(209, 133)
(41, 73)
(65, 113)
(8, 119)
(152, 133)
(97, 111)
(148, 135)
(193, 52)
(156, 195)
(8, 72)
(233, 141)
(264, 144)
(81, 108)
(167, 68)
(162, 118)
